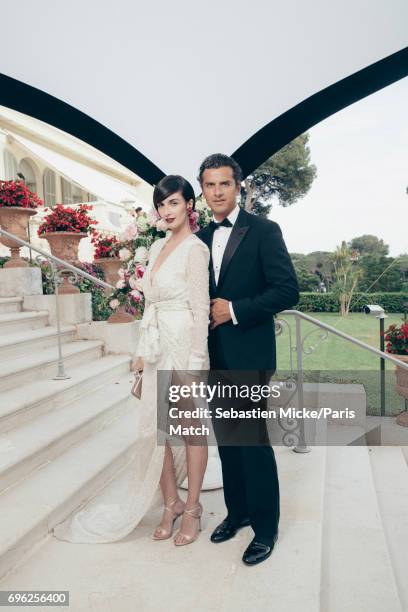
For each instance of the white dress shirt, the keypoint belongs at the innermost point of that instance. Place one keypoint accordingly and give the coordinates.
(220, 239)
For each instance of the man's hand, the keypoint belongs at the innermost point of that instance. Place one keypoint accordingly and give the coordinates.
(219, 312)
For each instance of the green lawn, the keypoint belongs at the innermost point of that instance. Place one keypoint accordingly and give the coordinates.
(336, 359)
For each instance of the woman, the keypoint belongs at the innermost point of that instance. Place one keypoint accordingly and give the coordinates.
(173, 339)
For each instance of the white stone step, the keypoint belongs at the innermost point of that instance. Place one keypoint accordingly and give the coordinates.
(356, 568)
(390, 474)
(353, 435)
(22, 404)
(10, 304)
(43, 439)
(31, 508)
(28, 447)
(32, 340)
(290, 580)
(20, 371)
(12, 322)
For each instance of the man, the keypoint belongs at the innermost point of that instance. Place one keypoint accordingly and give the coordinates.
(251, 279)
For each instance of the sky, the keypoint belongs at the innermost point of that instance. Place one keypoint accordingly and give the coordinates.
(361, 155)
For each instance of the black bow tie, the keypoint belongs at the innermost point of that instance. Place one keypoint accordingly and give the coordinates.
(225, 223)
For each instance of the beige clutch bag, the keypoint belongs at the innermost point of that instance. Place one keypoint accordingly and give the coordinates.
(137, 385)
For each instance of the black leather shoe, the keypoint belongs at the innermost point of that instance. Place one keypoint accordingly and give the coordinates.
(258, 552)
(226, 530)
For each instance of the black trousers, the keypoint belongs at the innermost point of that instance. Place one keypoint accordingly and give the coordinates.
(250, 475)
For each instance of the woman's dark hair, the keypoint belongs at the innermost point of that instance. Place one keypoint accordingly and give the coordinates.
(218, 160)
(173, 183)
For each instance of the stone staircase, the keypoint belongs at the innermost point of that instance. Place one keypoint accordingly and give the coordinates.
(344, 509)
(55, 447)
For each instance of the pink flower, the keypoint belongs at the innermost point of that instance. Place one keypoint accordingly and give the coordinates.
(136, 295)
(133, 282)
(124, 254)
(120, 284)
(153, 217)
(193, 221)
(130, 232)
(114, 304)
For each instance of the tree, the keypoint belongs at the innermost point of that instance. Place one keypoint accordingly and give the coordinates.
(321, 263)
(287, 176)
(402, 265)
(379, 273)
(369, 245)
(308, 280)
(346, 276)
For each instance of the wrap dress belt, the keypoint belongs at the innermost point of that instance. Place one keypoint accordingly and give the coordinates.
(149, 342)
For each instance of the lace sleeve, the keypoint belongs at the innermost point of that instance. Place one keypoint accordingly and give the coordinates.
(199, 298)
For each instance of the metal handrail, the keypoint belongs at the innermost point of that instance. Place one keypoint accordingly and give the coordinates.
(67, 265)
(301, 446)
(55, 275)
(335, 331)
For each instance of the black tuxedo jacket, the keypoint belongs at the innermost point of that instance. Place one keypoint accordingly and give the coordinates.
(258, 277)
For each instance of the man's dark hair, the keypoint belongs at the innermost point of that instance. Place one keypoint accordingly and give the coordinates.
(218, 160)
(173, 183)
(139, 208)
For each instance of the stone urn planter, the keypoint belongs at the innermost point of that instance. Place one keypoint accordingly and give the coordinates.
(110, 267)
(14, 219)
(401, 376)
(65, 246)
(120, 316)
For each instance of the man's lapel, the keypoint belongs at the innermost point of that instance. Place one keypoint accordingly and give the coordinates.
(241, 226)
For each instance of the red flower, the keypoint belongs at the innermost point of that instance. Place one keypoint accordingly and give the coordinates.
(140, 270)
(67, 219)
(15, 193)
(398, 339)
(105, 246)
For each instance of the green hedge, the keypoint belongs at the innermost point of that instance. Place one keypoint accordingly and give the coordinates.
(309, 301)
(327, 302)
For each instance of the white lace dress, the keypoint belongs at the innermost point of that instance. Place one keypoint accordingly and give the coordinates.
(173, 335)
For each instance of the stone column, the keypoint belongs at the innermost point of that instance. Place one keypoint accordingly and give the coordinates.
(3, 142)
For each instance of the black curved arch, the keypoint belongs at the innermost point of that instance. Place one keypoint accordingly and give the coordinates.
(282, 130)
(41, 105)
(257, 149)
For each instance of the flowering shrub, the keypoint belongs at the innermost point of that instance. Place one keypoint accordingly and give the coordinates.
(66, 219)
(105, 246)
(100, 301)
(397, 339)
(15, 193)
(128, 290)
(137, 240)
(204, 213)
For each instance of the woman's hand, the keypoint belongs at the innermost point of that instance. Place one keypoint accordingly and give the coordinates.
(137, 364)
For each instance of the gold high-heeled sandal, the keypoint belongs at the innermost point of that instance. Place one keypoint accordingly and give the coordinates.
(164, 534)
(196, 512)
